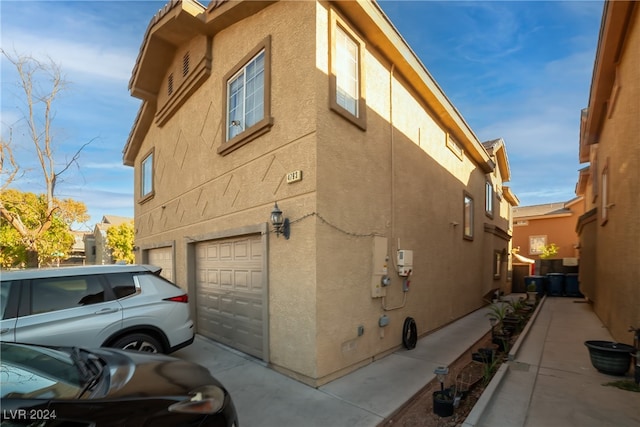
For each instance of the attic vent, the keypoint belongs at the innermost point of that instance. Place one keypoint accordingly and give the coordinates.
(170, 84)
(185, 64)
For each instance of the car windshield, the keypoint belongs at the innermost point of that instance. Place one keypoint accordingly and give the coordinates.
(30, 372)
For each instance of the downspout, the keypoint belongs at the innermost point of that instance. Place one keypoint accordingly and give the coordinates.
(393, 186)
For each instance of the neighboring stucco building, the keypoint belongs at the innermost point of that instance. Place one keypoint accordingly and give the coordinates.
(537, 226)
(610, 144)
(324, 109)
(102, 252)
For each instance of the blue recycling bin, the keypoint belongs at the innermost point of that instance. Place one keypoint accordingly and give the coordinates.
(556, 284)
(572, 285)
(539, 281)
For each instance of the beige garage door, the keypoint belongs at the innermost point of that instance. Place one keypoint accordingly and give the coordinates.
(163, 258)
(230, 291)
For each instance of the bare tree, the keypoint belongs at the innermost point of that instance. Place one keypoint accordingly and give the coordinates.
(41, 83)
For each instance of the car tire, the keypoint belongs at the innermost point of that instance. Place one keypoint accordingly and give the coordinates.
(139, 342)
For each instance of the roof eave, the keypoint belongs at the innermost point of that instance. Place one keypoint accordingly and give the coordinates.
(616, 18)
(381, 34)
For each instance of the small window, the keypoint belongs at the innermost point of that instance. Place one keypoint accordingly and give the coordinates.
(146, 178)
(453, 145)
(121, 284)
(488, 199)
(497, 264)
(65, 292)
(346, 77)
(537, 244)
(468, 217)
(5, 287)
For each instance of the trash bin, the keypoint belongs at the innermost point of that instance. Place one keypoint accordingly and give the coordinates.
(556, 284)
(539, 281)
(572, 286)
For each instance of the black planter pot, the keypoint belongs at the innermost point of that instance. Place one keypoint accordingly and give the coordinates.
(484, 355)
(502, 341)
(609, 357)
(443, 402)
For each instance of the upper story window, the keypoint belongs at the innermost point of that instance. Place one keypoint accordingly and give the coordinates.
(146, 178)
(488, 199)
(537, 244)
(468, 220)
(347, 72)
(346, 76)
(245, 91)
(248, 98)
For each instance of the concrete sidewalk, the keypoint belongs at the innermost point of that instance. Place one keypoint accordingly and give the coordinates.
(365, 397)
(552, 383)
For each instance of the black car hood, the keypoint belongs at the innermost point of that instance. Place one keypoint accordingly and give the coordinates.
(134, 374)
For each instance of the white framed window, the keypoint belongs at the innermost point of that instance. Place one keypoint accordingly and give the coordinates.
(537, 244)
(488, 199)
(347, 72)
(146, 176)
(468, 219)
(245, 97)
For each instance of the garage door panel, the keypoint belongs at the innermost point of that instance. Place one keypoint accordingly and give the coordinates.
(230, 292)
(163, 258)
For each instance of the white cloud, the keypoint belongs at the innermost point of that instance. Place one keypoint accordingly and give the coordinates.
(74, 56)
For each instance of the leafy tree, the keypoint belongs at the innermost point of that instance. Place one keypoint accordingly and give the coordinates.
(51, 244)
(41, 83)
(549, 251)
(120, 241)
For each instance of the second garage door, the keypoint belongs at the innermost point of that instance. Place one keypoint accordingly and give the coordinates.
(230, 292)
(163, 258)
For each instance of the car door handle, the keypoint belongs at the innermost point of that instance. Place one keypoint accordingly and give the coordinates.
(106, 311)
(4, 331)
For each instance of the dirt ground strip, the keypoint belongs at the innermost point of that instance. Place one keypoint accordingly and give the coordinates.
(418, 412)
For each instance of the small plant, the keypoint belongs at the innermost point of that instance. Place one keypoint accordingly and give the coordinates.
(489, 369)
(499, 311)
(532, 287)
(516, 305)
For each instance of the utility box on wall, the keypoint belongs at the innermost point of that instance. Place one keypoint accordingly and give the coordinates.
(379, 276)
(405, 262)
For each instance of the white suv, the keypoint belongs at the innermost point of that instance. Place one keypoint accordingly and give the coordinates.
(124, 306)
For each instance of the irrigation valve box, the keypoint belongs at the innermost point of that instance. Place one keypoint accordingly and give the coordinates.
(405, 262)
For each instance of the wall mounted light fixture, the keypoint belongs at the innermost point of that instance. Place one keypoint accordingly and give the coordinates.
(279, 222)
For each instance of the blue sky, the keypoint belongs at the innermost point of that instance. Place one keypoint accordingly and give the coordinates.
(515, 70)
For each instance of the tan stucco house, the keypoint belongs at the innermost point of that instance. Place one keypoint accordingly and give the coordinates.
(101, 254)
(394, 208)
(609, 230)
(537, 226)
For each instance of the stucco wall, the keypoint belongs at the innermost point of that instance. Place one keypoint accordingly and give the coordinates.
(397, 179)
(618, 241)
(559, 230)
(200, 192)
